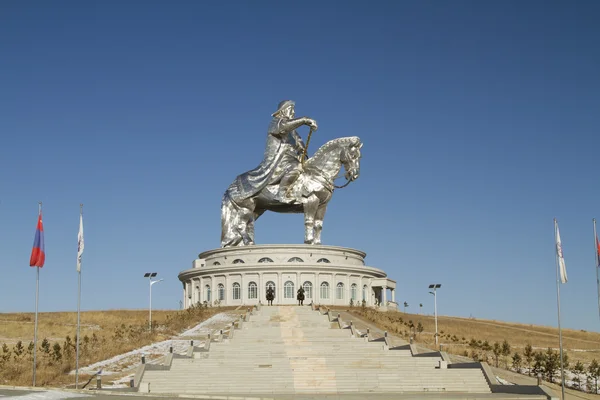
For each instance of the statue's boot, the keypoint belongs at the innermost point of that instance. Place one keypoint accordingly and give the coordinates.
(287, 185)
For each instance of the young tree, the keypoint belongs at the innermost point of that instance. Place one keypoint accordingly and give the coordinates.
(593, 371)
(551, 364)
(411, 326)
(473, 344)
(485, 347)
(505, 352)
(18, 350)
(405, 306)
(30, 351)
(420, 308)
(497, 350)
(528, 355)
(6, 353)
(68, 347)
(516, 362)
(578, 370)
(539, 360)
(56, 352)
(420, 328)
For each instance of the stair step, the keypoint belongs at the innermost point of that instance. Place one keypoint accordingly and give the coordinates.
(291, 350)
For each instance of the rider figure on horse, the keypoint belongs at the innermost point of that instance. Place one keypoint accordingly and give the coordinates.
(282, 159)
(283, 128)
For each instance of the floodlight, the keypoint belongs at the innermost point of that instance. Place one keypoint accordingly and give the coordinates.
(435, 286)
(147, 274)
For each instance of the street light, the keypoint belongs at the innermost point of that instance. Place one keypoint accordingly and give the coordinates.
(434, 287)
(151, 275)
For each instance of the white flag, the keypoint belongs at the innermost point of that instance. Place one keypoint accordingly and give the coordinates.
(561, 260)
(80, 243)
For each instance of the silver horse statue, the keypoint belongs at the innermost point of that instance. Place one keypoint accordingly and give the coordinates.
(309, 191)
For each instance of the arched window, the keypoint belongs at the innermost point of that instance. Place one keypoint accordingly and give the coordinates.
(221, 289)
(324, 290)
(252, 290)
(271, 285)
(288, 290)
(216, 263)
(353, 294)
(295, 259)
(340, 291)
(365, 293)
(307, 290)
(238, 261)
(323, 260)
(207, 291)
(265, 260)
(236, 291)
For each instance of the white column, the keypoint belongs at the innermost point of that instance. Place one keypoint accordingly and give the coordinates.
(278, 291)
(184, 298)
(194, 291)
(317, 288)
(348, 293)
(201, 291)
(393, 295)
(259, 289)
(384, 299)
(228, 294)
(243, 297)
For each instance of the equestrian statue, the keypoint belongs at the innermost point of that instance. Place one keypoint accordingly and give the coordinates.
(286, 181)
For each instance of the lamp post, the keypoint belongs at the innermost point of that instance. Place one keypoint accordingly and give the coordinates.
(151, 275)
(434, 287)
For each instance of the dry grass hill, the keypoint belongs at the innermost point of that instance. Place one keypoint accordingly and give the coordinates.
(104, 334)
(456, 333)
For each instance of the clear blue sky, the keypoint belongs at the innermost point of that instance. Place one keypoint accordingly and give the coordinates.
(479, 121)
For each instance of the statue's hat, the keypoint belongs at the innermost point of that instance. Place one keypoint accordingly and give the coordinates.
(283, 105)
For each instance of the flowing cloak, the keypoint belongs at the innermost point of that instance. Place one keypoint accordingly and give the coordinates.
(280, 156)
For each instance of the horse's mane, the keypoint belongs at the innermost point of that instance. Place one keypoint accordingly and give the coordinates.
(339, 142)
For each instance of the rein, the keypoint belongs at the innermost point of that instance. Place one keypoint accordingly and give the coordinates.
(344, 185)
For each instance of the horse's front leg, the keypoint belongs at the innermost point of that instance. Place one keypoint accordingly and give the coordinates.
(311, 204)
(319, 215)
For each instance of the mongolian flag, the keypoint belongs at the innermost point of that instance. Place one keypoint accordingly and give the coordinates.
(597, 252)
(37, 253)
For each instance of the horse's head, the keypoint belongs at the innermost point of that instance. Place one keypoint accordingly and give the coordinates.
(329, 159)
(350, 158)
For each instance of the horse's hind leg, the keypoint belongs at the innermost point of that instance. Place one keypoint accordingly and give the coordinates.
(311, 204)
(319, 215)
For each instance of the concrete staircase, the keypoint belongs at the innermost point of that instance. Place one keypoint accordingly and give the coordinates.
(293, 350)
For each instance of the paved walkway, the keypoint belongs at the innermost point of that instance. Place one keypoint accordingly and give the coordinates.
(41, 394)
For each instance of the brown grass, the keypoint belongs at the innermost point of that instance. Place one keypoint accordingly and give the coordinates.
(104, 334)
(456, 333)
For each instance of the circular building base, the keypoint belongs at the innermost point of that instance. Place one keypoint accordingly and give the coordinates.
(330, 275)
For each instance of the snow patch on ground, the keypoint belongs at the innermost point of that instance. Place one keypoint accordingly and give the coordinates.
(124, 362)
(503, 382)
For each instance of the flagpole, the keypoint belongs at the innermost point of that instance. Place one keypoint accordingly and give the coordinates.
(78, 308)
(597, 262)
(562, 370)
(37, 290)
